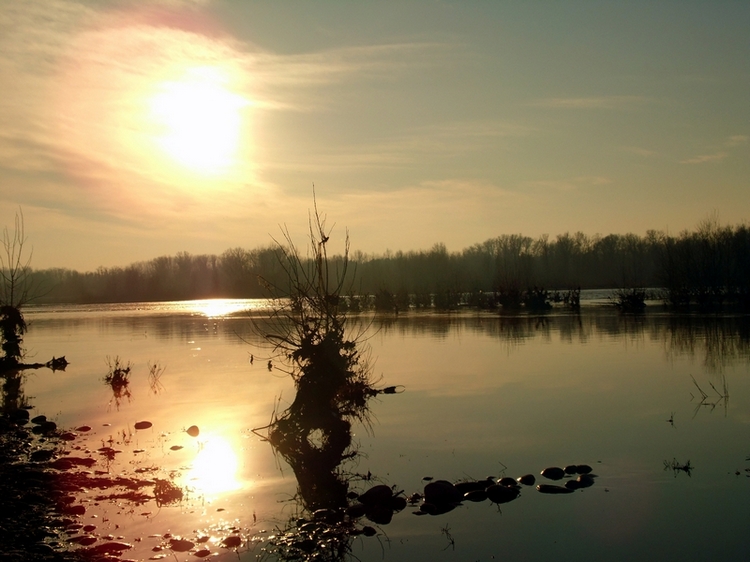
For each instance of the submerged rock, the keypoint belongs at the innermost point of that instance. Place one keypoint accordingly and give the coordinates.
(472, 485)
(553, 489)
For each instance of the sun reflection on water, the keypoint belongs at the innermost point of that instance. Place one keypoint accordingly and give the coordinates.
(215, 467)
(217, 308)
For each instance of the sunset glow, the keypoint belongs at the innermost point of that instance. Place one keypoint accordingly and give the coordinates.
(200, 126)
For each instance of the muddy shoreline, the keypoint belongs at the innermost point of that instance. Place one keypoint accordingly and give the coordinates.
(31, 524)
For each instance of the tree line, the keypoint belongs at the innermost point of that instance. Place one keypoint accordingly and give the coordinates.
(707, 266)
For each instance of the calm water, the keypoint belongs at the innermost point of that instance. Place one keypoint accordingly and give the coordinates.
(484, 395)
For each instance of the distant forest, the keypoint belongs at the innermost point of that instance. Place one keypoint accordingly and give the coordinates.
(709, 264)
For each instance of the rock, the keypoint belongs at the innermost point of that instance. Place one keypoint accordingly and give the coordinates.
(527, 480)
(553, 473)
(508, 481)
(180, 545)
(379, 494)
(585, 480)
(442, 492)
(476, 495)
(502, 494)
(397, 503)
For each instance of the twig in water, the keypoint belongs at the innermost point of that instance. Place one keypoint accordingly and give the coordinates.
(451, 543)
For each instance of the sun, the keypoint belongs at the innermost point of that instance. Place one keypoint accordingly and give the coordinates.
(198, 120)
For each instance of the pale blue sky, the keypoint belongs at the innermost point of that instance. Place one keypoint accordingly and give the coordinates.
(418, 122)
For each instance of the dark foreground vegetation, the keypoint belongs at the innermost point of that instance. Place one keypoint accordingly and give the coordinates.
(709, 266)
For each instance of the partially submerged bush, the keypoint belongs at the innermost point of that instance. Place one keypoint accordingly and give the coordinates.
(311, 342)
(630, 300)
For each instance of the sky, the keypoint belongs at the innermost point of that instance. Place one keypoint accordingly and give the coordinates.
(131, 130)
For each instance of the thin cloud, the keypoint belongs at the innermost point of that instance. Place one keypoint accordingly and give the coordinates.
(596, 102)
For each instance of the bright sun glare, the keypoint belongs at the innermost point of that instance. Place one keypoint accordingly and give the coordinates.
(214, 469)
(199, 120)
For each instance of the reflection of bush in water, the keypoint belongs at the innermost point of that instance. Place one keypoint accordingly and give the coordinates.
(166, 493)
(118, 379)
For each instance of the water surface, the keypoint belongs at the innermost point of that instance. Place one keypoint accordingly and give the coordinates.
(484, 395)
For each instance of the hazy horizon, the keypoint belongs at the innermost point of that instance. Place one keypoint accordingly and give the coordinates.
(130, 132)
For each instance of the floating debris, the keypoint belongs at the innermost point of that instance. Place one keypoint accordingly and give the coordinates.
(143, 425)
(176, 447)
(193, 431)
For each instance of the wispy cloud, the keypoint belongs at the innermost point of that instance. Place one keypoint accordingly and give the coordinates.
(640, 151)
(736, 140)
(568, 184)
(77, 84)
(409, 147)
(705, 158)
(731, 142)
(593, 102)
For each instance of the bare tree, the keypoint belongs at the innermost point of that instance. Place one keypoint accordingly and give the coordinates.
(15, 268)
(15, 291)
